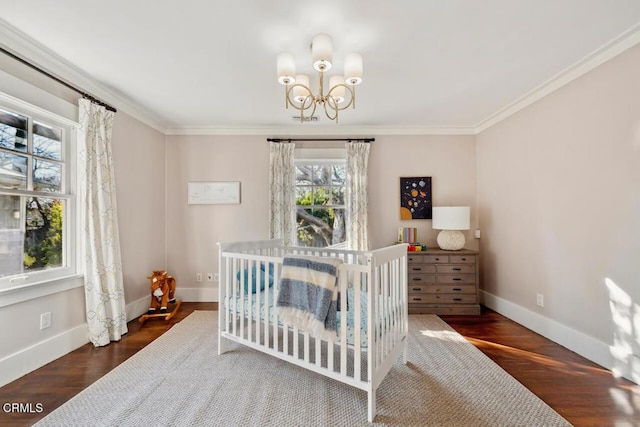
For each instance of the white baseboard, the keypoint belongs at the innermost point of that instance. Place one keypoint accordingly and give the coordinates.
(585, 345)
(31, 358)
(140, 306)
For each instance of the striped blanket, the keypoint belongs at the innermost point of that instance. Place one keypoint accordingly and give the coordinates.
(308, 294)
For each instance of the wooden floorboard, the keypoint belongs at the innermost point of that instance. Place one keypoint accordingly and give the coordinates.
(581, 391)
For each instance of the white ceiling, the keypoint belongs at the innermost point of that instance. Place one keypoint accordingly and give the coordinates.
(428, 64)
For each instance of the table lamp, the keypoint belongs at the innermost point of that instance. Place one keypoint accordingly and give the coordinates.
(451, 219)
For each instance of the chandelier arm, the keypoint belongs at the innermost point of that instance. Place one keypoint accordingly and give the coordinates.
(303, 103)
(336, 106)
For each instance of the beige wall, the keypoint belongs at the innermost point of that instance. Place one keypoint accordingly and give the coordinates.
(139, 162)
(193, 230)
(450, 161)
(560, 206)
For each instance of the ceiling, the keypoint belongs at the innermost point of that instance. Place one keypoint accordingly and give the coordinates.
(428, 64)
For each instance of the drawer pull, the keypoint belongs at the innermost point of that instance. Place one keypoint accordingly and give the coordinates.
(456, 279)
(457, 269)
(417, 279)
(457, 299)
(416, 289)
(437, 259)
(457, 289)
(416, 269)
(464, 259)
(416, 299)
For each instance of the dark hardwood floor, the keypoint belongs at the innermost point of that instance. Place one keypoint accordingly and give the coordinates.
(584, 393)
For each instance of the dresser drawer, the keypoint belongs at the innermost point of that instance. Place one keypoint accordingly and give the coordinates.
(442, 289)
(435, 259)
(421, 278)
(442, 298)
(456, 269)
(458, 278)
(462, 259)
(421, 268)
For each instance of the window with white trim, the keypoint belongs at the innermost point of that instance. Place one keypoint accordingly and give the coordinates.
(37, 204)
(320, 202)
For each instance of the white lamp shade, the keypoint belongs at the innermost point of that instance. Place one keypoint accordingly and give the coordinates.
(322, 52)
(451, 218)
(353, 69)
(337, 92)
(286, 68)
(300, 93)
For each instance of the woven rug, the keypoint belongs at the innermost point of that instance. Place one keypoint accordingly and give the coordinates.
(179, 380)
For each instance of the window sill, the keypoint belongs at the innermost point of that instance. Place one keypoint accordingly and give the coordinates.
(20, 294)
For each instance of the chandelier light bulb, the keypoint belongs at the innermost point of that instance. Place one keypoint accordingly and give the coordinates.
(286, 68)
(299, 92)
(353, 69)
(322, 52)
(336, 90)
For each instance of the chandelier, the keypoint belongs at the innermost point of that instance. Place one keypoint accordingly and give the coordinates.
(341, 92)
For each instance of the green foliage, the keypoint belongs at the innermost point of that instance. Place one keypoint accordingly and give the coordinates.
(43, 245)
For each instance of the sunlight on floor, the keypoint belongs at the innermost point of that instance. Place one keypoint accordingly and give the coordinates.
(444, 335)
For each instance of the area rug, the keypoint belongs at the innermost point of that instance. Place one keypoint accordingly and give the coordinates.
(179, 380)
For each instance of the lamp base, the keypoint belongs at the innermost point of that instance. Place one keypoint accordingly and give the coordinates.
(451, 240)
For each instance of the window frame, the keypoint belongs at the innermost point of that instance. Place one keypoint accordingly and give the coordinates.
(311, 160)
(27, 285)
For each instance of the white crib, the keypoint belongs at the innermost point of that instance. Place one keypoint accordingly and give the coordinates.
(370, 337)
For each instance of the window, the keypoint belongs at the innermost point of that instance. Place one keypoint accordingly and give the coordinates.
(36, 200)
(320, 202)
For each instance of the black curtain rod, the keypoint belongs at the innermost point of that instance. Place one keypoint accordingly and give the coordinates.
(57, 79)
(321, 139)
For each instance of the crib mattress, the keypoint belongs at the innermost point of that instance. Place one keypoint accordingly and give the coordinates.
(349, 317)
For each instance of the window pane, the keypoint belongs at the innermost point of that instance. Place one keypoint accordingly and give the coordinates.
(337, 195)
(43, 237)
(47, 141)
(338, 173)
(303, 196)
(47, 176)
(30, 234)
(317, 227)
(13, 131)
(321, 175)
(13, 171)
(321, 196)
(303, 175)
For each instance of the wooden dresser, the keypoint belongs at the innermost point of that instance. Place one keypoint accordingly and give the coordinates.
(443, 282)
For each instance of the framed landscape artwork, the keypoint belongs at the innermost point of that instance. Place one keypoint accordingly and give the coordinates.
(415, 198)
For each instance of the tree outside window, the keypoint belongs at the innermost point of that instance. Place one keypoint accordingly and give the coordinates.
(32, 199)
(320, 203)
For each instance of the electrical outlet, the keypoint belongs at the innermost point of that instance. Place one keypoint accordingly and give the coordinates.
(45, 320)
(209, 277)
(216, 277)
(540, 300)
(198, 277)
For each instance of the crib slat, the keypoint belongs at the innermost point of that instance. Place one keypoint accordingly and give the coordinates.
(357, 316)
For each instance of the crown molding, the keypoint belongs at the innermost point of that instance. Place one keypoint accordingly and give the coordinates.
(335, 130)
(27, 48)
(613, 48)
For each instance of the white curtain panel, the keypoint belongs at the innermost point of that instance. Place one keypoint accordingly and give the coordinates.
(282, 211)
(103, 284)
(357, 200)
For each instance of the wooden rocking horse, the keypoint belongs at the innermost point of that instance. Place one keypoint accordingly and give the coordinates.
(163, 291)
